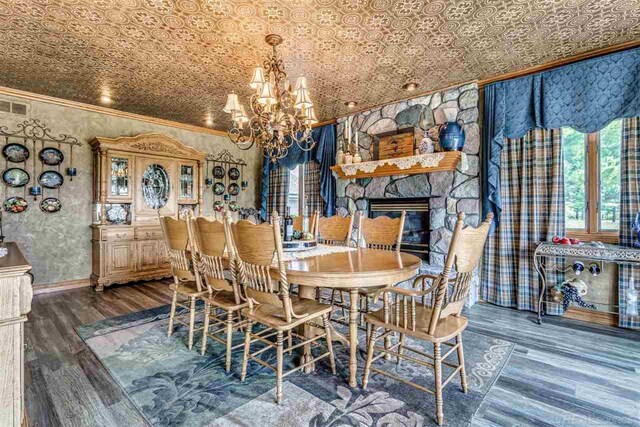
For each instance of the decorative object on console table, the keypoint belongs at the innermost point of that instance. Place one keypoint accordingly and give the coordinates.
(451, 133)
(136, 177)
(15, 287)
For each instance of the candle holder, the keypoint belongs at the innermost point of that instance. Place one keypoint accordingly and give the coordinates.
(208, 182)
(227, 198)
(244, 184)
(72, 172)
(35, 191)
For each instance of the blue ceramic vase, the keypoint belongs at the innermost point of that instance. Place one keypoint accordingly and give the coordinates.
(451, 136)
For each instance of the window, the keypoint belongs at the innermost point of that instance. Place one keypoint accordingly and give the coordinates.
(592, 182)
(296, 189)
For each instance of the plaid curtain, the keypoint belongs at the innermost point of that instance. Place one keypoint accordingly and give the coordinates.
(278, 191)
(313, 200)
(629, 208)
(532, 211)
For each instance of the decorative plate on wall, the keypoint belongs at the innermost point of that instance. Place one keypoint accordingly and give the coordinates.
(51, 179)
(234, 173)
(234, 189)
(16, 153)
(15, 177)
(50, 205)
(51, 156)
(116, 214)
(218, 189)
(218, 172)
(15, 204)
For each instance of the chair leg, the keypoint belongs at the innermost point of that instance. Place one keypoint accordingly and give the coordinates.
(173, 313)
(247, 347)
(387, 345)
(229, 338)
(463, 372)
(438, 374)
(370, 344)
(400, 348)
(205, 329)
(327, 329)
(279, 367)
(192, 320)
(290, 341)
(333, 299)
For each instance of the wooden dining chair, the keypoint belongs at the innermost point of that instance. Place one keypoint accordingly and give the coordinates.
(176, 238)
(298, 222)
(438, 321)
(334, 230)
(267, 291)
(223, 300)
(382, 233)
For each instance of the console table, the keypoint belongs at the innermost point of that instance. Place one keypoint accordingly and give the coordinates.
(602, 252)
(15, 303)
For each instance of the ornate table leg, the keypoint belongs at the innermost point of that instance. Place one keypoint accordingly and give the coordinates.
(353, 337)
(537, 262)
(307, 292)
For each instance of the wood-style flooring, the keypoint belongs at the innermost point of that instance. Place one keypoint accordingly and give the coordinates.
(561, 373)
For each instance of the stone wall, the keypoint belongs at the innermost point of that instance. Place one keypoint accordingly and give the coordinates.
(448, 192)
(59, 245)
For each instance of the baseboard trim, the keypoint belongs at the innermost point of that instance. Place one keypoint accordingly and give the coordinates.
(61, 286)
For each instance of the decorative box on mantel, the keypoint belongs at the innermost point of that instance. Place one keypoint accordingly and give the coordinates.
(411, 165)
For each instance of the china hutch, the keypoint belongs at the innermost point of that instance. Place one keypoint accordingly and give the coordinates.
(134, 179)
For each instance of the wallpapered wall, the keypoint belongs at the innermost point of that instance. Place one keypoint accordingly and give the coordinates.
(59, 245)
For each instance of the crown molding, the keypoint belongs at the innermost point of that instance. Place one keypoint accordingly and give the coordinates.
(109, 111)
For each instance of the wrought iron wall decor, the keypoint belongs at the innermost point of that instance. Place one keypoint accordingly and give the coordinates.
(226, 171)
(34, 140)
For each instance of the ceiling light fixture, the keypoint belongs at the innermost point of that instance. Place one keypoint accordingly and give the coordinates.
(410, 87)
(105, 99)
(282, 114)
(351, 104)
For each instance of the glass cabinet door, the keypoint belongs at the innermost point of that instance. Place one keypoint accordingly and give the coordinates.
(120, 182)
(186, 182)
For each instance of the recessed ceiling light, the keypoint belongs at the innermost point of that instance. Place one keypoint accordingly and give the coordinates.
(208, 121)
(410, 86)
(351, 104)
(105, 99)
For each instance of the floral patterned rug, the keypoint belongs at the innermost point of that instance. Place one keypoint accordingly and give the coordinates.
(172, 385)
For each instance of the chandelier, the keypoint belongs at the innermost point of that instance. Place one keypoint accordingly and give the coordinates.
(281, 115)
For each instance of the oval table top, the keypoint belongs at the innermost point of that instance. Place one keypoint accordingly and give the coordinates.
(354, 269)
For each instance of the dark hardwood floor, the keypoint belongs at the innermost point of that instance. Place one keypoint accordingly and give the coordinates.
(561, 373)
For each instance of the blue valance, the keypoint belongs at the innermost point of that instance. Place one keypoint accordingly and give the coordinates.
(324, 153)
(586, 96)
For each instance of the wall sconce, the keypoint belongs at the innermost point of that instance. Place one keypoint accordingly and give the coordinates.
(595, 269)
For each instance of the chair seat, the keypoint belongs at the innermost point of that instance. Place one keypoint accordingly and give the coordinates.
(223, 299)
(446, 329)
(188, 288)
(273, 316)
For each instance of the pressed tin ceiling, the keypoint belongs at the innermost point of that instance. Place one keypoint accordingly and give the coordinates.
(178, 60)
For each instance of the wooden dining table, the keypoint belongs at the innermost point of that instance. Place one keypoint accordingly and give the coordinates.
(351, 271)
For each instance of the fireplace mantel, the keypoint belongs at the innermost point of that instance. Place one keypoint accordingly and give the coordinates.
(446, 161)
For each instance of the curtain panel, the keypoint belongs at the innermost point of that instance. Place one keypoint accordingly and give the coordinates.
(533, 210)
(313, 200)
(586, 96)
(324, 153)
(629, 208)
(278, 191)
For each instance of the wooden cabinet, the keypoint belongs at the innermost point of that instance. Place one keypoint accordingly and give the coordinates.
(140, 176)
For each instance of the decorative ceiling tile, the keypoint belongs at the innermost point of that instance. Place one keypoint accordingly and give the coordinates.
(178, 59)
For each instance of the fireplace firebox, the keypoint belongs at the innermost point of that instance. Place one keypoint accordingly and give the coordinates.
(415, 238)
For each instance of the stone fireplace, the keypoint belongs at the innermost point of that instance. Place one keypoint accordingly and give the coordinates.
(443, 194)
(415, 238)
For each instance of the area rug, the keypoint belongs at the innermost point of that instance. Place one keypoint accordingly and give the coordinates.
(171, 385)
